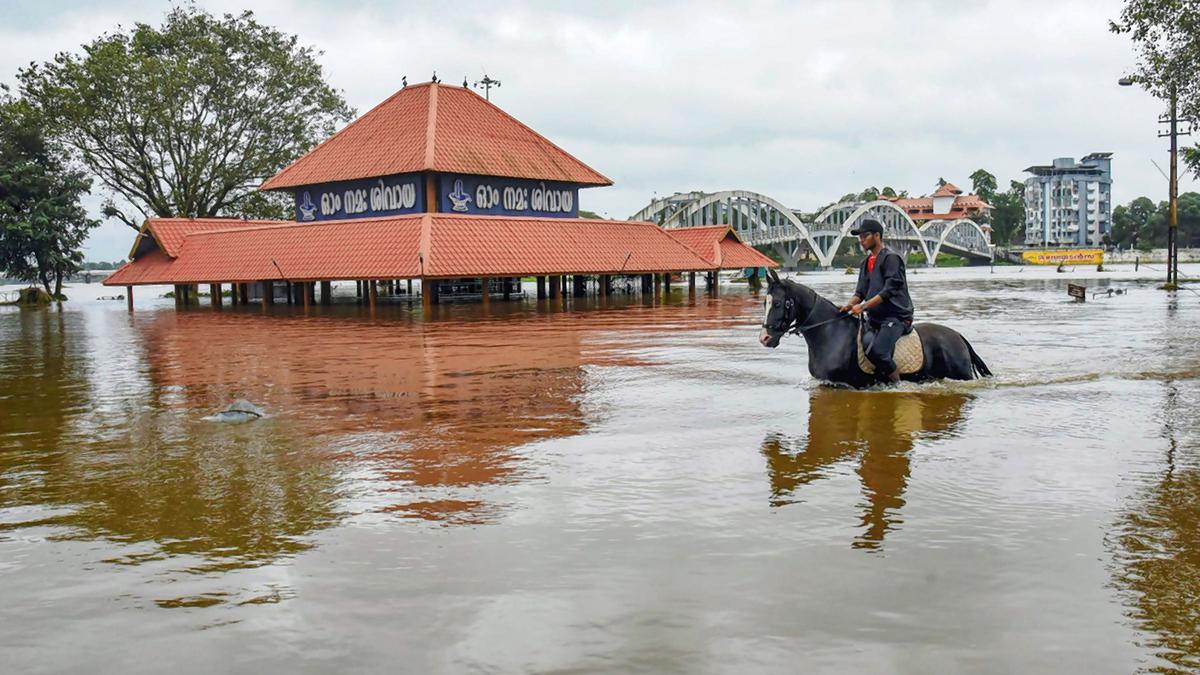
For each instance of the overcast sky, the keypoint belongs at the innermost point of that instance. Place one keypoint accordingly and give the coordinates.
(802, 101)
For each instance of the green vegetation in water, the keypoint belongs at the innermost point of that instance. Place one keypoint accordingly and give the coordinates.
(34, 296)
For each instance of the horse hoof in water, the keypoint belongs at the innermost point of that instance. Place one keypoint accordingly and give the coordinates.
(240, 410)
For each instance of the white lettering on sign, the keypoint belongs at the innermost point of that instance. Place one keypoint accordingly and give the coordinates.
(487, 197)
(391, 198)
(515, 198)
(355, 201)
(551, 201)
(330, 204)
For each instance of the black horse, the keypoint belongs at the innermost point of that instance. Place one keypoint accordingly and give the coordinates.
(833, 345)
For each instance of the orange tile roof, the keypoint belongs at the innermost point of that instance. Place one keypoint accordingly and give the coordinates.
(720, 246)
(421, 245)
(947, 190)
(735, 254)
(367, 248)
(152, 267)
(963, 206)
(493, 245)
(169, 233)
(435, 127)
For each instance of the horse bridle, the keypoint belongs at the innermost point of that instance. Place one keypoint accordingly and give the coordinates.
(792, 324)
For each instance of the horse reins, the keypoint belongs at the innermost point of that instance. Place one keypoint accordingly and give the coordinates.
(793, 325)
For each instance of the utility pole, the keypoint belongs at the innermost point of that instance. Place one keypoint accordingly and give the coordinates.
(486, 85)
(1173, 132)
(1173, 194)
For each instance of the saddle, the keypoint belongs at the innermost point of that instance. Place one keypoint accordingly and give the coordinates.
(909, 355)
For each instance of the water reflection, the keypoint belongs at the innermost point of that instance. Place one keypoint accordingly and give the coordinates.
(427, 414)
(82, 468)
(879, 429)
(1158, 542)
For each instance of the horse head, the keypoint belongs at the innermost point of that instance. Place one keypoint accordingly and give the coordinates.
(779, 311)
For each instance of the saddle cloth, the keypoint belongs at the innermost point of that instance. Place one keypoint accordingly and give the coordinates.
(909, 355)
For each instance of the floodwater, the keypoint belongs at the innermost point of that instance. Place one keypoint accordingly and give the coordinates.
(634, 487)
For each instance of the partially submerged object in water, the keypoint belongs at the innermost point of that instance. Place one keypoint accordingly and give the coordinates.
(240, 410)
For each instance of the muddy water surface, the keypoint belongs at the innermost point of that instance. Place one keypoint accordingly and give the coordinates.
(625, 487)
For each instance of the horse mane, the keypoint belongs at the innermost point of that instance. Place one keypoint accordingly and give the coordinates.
(801, 289)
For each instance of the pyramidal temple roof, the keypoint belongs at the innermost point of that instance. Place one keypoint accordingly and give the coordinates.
(435, 127)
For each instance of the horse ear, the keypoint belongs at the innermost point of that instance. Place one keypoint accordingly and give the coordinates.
(772, 276)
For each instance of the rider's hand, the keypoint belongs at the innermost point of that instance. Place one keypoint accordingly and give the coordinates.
(845, 308)
(856, 310)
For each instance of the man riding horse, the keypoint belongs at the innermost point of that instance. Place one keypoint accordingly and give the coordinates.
(882, 292)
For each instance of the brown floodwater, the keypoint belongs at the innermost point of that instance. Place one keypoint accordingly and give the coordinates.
(623, 486)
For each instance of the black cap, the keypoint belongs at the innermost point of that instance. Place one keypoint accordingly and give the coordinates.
(867, 225)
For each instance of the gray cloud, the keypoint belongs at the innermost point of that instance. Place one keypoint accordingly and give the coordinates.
(803, 101)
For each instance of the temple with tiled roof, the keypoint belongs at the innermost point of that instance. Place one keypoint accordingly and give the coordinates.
(946, 203)
(433, 184)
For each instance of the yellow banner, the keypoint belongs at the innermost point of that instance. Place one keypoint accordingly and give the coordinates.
(1079, 256)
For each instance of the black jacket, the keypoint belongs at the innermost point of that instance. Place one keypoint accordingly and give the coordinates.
(888, 281)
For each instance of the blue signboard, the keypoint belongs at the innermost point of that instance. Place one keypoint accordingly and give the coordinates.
(366, 198)
(491, 196)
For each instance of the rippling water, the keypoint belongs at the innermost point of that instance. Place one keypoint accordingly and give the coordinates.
(622, 486)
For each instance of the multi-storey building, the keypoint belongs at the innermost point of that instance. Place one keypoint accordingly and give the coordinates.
(1069, 204)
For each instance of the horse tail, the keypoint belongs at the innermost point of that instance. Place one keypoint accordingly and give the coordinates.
(979, 368)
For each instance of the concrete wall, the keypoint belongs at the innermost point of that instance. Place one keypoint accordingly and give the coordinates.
(1158, 255)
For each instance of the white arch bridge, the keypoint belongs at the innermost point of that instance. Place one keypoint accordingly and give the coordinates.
(762, 221)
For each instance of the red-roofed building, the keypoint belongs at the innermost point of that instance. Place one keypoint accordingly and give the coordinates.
(946, 203)
(720, 246)
(434, 183)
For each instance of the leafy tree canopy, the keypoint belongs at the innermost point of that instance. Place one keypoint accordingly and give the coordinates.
(1166, 35)
(42, 224)
(984, 185)
(188, 118)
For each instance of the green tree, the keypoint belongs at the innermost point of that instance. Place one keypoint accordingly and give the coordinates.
(1008, 214)
(1123, 228)
(187, 119)
(42, 224)
(1131, 223)
(1189, 219)
(869, 195)
(984, 185)
(1166, 36)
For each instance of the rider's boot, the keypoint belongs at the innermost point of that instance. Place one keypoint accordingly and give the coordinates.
(894, 376)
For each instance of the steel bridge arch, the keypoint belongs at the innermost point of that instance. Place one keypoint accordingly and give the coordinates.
(962, 233)
(751, 227)
(836, 222)
(760, 220)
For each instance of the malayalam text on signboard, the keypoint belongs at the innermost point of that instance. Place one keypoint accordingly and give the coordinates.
(508, 196)
(366, 198)
(1083, 256)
